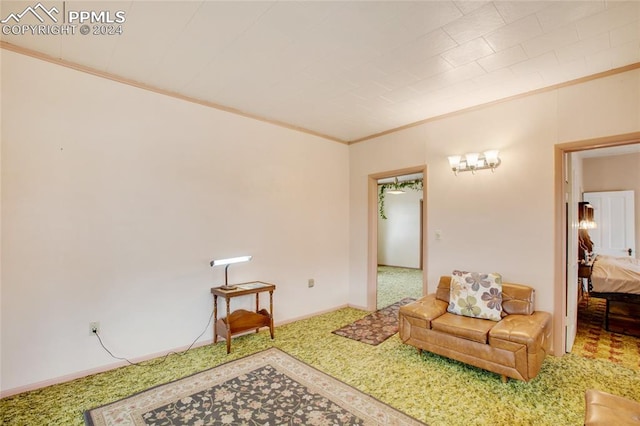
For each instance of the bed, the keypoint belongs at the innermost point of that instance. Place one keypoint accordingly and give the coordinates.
(615, 279)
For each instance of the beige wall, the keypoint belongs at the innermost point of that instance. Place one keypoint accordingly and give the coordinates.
(615, 173)
(489, 221)
(115, 199)
(502, 221)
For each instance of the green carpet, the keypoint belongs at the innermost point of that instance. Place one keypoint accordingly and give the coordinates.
(395, 283)
(430, 388)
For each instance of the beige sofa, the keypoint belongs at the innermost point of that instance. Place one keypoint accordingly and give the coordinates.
(513, 347)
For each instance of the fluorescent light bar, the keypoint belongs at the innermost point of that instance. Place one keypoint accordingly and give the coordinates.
(230, 260)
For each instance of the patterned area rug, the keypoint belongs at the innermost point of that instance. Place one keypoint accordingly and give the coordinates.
(266, 388)
(594, 342)
(376, 327)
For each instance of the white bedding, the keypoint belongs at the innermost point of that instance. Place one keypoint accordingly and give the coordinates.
(615, 275)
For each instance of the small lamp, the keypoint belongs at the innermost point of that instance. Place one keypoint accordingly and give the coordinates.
(228, 262)
(585, 216)
(590, 217)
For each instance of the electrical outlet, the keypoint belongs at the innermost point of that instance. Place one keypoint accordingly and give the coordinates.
(94, 327)
(311, 282)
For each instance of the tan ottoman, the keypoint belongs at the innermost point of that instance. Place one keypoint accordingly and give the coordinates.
(606, 409)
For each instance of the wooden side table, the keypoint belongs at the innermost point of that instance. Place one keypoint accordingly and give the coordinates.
(584, 272)
(242, 320)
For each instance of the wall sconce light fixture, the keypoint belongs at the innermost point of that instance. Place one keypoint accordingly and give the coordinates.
(474, 161)
(228, 262)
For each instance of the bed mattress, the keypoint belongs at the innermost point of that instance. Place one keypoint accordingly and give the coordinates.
(616, 275)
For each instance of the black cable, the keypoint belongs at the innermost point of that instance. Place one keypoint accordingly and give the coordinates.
(164, 358)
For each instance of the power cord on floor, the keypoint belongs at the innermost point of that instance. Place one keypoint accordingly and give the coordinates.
(157, 361)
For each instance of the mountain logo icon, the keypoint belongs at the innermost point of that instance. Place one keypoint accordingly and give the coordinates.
(38, 11)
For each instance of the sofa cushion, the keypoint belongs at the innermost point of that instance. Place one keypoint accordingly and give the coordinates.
(476, 295)
(475, 329)
(516, 298)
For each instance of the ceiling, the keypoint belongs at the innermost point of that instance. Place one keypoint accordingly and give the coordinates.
(346, 70)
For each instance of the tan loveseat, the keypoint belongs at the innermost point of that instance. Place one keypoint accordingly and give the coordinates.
(512, 347)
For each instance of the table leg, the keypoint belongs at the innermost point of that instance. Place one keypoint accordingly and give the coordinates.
(215, 318)
(228, 325)
(257, 307)
(271, 313)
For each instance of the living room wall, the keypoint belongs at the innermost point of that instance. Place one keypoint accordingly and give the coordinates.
(115, 199)
(492, 222)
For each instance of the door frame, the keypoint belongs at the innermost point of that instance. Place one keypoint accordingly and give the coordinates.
(560, 240)
(372, 232)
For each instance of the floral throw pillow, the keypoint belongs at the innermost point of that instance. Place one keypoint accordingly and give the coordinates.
(476, 295)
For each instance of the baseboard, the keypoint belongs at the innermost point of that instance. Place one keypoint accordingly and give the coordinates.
(362, 308)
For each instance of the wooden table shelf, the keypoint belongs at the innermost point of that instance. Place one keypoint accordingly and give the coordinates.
(241, 320)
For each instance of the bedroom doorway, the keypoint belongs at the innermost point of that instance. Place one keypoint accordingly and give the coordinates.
(373, 231)
(569, 188)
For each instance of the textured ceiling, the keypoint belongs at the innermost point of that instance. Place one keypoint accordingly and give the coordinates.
(351, 69)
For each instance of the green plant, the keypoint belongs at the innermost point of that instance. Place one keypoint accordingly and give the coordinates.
(415, 185)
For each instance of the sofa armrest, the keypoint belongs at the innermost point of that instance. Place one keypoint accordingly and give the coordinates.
(424, 310)
(533, 330)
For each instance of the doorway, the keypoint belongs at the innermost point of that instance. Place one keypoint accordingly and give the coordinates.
(400, 229)
(565, 297)
(372, 227)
